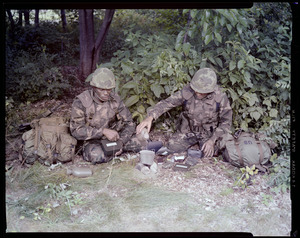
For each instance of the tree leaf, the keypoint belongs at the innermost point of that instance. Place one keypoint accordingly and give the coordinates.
(130, 84)
(141, 109)
(157, 89)
(186, 48)
(126, 68)
(229, 27)
(241, 64)
(131, 100)
(255, 115)
(273, 112)
(219, 61)
(267, 102)
(219, 37)
(208, 38)
(232, 65)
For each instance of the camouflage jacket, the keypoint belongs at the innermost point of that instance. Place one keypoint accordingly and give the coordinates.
(210, 116)
(89, 117)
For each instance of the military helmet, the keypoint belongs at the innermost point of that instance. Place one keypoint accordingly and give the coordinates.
(204, 81)
(103, 78)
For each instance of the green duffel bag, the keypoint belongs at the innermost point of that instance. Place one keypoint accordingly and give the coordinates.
(247, 149)
(49, 141)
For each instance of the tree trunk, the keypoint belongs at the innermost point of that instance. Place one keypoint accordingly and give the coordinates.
(109, 14)
(20, 22)
(89, 47)
(86, 29)
(26, 17)
(188, 26)
(10, 17)
(63, 19)
(36, 18)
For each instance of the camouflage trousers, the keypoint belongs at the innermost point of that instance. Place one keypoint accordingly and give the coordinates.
(93, 152)
(180, 142)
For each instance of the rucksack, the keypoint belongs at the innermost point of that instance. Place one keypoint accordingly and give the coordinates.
(49, 141)
(247, 149)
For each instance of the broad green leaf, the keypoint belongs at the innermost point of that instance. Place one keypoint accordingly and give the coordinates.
(141, 109)
(255, 115)
(219, 37)
(233, 78)
(185, 11)
(239, 28)
(233, 94)
(232, 65)
(247, 169)
(273, 112)
(131, 100)
(208, 38)
(241, 64)
(186, 48)
(178, 47)
(219, 61)
(247, 75)
(157, 89)
(194, 13)
(229, 27)
(126, 68)
(130, 84)
(244, 125)
(267, 102)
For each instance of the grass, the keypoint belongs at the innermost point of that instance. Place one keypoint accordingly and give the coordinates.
(119, 198)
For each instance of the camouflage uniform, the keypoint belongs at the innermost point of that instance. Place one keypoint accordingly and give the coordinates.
(90, 116)
(201, 119)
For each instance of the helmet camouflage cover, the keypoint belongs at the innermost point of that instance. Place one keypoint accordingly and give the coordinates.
(204, 81)
(103, 78)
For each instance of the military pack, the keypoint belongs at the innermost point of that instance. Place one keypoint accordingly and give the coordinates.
(247, 149)
(48, 142)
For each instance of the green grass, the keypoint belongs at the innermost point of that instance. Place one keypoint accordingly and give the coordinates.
(118, 198)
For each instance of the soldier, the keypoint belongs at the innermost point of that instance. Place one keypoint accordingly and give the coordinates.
(206, 115)
(99, 113)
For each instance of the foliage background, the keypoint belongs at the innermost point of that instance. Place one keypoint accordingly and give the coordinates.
(154, 53)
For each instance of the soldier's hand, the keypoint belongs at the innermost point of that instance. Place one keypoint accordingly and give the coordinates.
(208, 148)
(111, 135)
(145, 123)
(119, 152)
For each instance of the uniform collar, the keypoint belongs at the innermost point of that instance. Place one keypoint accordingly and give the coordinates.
(208, 97)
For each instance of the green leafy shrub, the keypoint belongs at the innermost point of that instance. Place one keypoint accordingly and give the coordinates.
(148, 69)
(279, 177)
(33, 77)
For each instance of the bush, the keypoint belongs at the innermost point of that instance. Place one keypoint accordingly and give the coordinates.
(34, 77)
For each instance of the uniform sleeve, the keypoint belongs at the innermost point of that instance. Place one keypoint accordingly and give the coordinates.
(165, 105)
(78, 125)
(225, 119)
(128, 127)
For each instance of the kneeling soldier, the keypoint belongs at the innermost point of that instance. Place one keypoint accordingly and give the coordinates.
(99, 113)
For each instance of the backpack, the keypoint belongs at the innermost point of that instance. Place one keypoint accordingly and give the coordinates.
(48, 141)
(247, 149)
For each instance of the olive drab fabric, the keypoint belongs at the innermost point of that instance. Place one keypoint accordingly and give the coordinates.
(103, 78)
(247, 150)
(90, 116)
(206, 118)
(49, 141)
